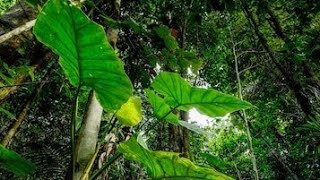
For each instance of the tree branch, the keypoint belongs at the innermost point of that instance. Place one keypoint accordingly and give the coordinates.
(17, 31)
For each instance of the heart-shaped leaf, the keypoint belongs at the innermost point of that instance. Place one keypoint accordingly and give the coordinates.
(178, 93)
(85, 54)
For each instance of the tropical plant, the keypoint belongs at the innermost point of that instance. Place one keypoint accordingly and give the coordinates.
(88, 60)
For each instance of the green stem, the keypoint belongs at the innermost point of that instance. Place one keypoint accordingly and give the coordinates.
(113, 123)
(105, 166)
(73, 129)
(160, 119)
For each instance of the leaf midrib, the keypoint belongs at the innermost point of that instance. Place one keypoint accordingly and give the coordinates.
(75, 40)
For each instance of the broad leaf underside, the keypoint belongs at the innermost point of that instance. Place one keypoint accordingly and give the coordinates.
(178, 93)
(85, 54)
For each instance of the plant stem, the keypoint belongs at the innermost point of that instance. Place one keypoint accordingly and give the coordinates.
(161, 119)
(89, 166)
(73, 129)
(113, 123)
(87, 138)
(105, 166)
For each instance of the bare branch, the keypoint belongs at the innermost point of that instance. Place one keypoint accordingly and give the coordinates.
(17, 31)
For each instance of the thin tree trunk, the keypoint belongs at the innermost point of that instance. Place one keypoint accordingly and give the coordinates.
(22, 116)
(186, 150)
(173, 138)
(185, 146)
(253, 158)
(184, 115)
(275, 24)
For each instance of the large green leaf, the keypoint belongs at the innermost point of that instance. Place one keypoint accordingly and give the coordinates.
(14, 163)
(178, 93)
(167, 165)
(85, 54)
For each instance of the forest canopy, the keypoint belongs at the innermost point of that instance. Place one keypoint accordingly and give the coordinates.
(193, 89)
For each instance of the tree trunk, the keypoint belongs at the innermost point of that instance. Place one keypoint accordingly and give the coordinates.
(173, 138)
(184, 132)
(185, 141)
